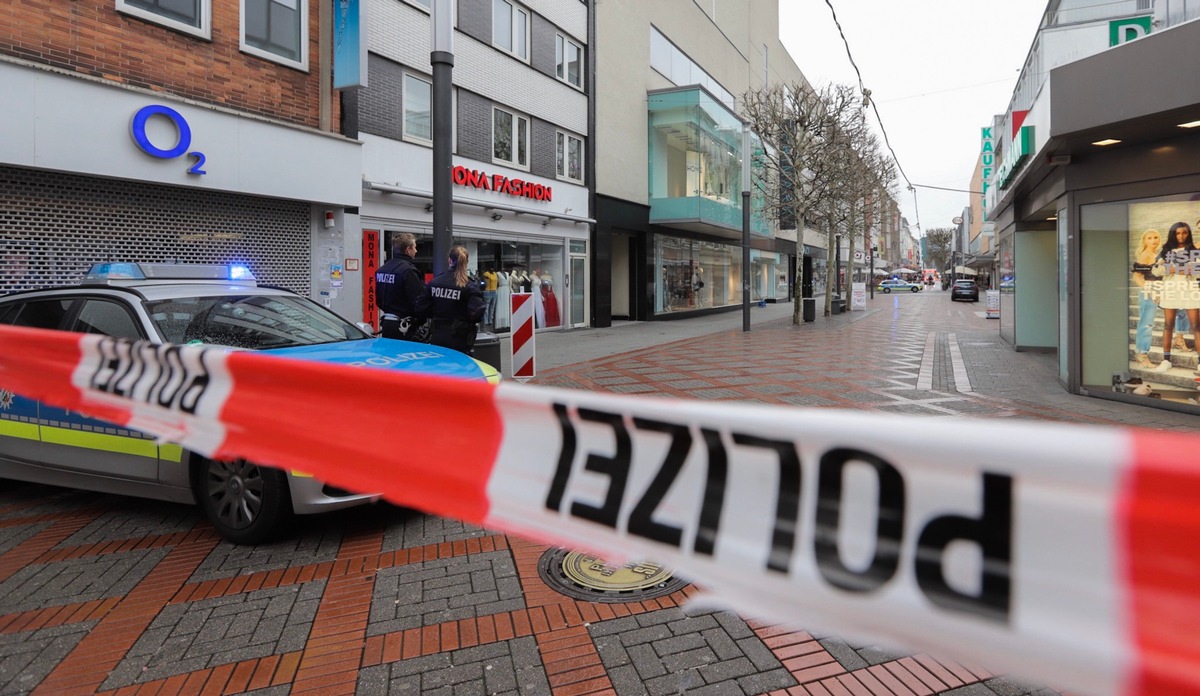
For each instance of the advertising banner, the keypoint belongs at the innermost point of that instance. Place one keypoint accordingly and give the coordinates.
(858, 296)
(993, 304)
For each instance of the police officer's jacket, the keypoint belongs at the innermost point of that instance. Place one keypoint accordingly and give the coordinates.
(399, 290)
(455, 311)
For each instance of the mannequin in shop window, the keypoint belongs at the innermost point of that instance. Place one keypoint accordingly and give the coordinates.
(490, 283)
(698, 286)
(503, 314)
(549, 300)
(539, 307)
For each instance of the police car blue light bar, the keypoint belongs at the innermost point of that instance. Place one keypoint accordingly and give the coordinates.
(108, 272)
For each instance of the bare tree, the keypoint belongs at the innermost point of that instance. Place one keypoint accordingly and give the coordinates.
(802, 165)
(937, 242)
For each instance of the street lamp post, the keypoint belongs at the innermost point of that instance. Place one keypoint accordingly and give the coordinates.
(745, 226)
(837, 265)
(442, 60)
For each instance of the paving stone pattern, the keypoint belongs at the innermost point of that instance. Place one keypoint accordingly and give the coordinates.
(98, 595)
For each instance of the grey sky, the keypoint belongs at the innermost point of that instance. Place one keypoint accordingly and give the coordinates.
(938, 70)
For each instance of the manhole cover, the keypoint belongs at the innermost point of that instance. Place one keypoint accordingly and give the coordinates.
(590, 578)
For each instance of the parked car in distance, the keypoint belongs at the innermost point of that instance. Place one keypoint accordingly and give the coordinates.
(964, 290)
(191, 304)
(894, 285)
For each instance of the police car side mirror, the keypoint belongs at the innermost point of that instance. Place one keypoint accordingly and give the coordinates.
(370, 330)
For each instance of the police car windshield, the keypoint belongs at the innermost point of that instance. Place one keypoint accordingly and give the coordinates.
(253, 322)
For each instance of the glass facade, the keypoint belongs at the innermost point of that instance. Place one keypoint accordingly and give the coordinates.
(695, 162)
(1140, 294)
(690, 274)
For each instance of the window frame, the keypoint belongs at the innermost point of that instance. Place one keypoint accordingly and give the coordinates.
(204, 31)
(563, 139)
(515, 129)
(300, 63)
(514, 8)
(404, 134)
(562, 64)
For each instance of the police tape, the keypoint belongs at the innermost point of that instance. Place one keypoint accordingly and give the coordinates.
(1065, 554)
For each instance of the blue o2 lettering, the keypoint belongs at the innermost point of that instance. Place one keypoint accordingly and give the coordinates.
(183, 139)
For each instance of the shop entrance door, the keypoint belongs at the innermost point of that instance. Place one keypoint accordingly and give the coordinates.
(578, 288)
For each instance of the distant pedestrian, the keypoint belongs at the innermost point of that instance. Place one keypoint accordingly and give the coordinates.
(457, 305)
(400, 293)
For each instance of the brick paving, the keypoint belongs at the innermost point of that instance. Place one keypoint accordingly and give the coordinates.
(105, 594)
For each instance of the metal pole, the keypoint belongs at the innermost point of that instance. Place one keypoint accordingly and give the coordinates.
(871, 265)
(745, 227)
(837, 266)
(442, 60)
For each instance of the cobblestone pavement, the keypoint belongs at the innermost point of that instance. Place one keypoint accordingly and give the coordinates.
(105, 594)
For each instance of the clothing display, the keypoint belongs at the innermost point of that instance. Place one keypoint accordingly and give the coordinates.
(539, 306)
(490, 282)
(549, 301)
(503, 316)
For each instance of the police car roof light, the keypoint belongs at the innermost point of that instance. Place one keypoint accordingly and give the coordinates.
(107, 272)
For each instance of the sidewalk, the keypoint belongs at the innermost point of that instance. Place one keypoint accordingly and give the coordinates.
(945, 336)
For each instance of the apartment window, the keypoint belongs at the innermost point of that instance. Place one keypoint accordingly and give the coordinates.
(510, 138)
(276, 30)
(188, 16)
(570, 157)
(417, 107)
(510, 28)
(568, 57)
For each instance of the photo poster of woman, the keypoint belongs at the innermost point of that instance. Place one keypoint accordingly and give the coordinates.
(1164, 288)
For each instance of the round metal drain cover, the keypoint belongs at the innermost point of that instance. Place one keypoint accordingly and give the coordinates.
(588, 577)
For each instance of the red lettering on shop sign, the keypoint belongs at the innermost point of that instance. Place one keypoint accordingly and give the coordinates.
(473, 178)
(370, 246)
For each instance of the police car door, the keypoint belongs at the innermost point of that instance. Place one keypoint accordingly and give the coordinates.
(74, 442)
(19, 438)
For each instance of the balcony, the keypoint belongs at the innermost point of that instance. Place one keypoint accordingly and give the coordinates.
(695, 162)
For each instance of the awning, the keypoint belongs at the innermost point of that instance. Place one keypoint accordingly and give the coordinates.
(963, 270)
(981, 261)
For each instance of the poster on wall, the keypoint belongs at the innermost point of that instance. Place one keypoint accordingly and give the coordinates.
(1164, 302)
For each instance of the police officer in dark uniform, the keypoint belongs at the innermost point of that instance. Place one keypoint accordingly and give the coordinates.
(457, 305)
(400, 293)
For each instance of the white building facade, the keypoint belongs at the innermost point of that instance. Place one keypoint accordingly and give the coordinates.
(521, 147)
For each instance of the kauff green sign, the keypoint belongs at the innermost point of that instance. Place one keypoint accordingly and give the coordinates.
(1015, 158)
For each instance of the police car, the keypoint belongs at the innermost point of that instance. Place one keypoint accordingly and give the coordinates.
(184, 304)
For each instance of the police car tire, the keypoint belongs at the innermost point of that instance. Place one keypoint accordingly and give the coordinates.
(246, 503)
(887, 291)
(914, 289)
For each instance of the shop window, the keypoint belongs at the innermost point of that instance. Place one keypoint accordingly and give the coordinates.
(568, 58)
(417, 102)
(276, 30)
(510, 28)
(690, 275)
(510, 138)
(188, 16)
(1140, 295)
(570, 157)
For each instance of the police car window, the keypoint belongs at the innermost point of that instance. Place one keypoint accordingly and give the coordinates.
(43, 314)
(249, 321)
(107, 318)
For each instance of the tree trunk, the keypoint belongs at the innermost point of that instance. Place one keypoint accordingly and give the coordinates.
(798, 294)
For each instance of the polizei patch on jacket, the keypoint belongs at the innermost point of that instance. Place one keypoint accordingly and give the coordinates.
(446, 293)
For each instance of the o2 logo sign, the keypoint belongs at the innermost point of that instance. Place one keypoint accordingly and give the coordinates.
(183, 139)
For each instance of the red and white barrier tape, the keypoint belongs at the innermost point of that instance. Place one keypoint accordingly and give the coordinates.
(1065, 554)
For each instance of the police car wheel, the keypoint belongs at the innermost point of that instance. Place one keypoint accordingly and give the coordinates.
(246, 503)
(887, 291)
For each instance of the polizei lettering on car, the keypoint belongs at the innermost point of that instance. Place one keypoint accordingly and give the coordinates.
(607, 444)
